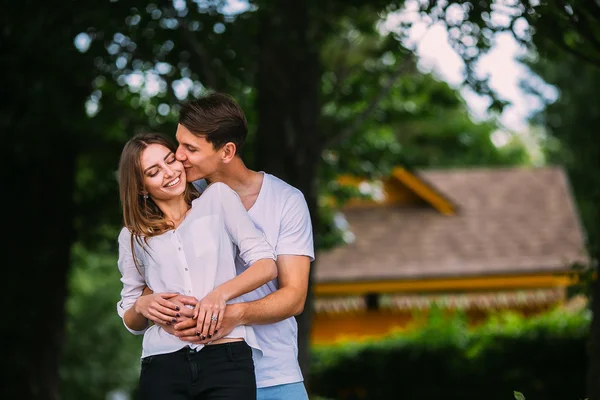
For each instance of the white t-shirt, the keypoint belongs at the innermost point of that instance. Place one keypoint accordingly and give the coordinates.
(281, 213)
(192, 260)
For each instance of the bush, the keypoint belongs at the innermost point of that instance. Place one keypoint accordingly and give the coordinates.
(544, 357)
(100, 356)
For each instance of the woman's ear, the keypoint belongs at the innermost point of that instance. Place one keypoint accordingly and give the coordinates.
(228, 150)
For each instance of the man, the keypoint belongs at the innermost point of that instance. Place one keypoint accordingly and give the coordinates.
(211, 133)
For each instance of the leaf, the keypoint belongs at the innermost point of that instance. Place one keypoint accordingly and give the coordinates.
(519, 395)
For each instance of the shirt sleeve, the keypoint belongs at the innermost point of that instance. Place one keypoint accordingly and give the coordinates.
(251, 242)
(132, 280)
(295, 231)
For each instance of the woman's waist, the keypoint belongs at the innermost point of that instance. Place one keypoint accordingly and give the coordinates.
(158, 341)
(157, 336)
(226, 340)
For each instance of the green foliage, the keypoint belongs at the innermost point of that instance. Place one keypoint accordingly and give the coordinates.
(419, 122)
(380, 112)
(100, 355)
(573, 120)
(544, 356)
(571, 124)
(518, 395)
(554, 29)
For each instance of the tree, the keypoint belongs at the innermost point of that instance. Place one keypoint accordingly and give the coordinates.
(59, 167)
(554, 30)
(131, 63)
(44, 124)
(572, 120)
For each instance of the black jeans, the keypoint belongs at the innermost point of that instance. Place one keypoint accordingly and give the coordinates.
(220, 371)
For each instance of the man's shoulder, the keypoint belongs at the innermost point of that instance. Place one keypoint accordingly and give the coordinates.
(282, 188)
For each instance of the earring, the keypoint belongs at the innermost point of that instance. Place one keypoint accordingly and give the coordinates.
(145, 196)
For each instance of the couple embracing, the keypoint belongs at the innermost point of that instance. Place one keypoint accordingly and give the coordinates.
(214, 261)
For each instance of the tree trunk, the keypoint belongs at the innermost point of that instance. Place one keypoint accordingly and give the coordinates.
(41, 115)
(288, 144)
(41, 240)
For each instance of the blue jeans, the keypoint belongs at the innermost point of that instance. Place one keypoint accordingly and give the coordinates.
(288, 391)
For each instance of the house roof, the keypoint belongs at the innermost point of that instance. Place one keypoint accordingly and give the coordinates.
(507, 221)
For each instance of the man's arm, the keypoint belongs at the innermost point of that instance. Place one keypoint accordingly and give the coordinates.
(294, 252)
(285, 302)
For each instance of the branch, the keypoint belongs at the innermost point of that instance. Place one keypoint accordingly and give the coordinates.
(385, 89)
(593, 8)
(575, 53)
(342, 71)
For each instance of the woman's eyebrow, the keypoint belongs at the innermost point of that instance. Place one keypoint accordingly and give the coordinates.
(150, 167)
(156, 165)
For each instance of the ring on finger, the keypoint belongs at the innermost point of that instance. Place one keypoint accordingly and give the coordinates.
(214, 318)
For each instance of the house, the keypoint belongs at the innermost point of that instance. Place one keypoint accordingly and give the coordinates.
(478, 240)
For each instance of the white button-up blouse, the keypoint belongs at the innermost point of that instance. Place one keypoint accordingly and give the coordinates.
(192, 260)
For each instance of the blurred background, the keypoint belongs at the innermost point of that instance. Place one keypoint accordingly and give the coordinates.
(447, 150)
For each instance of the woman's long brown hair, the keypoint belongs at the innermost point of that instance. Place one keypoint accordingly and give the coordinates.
(141, 216)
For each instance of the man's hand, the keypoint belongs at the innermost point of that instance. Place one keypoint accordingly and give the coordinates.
(167, 328)
(232, 317)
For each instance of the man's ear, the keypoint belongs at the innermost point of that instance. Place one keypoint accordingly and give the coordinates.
(228, 151)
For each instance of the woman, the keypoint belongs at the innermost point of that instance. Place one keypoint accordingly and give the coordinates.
(176, 241)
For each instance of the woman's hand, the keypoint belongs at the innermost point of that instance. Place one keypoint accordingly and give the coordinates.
(157, 308)
(209, 314)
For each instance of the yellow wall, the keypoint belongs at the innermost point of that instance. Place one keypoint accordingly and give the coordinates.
(329, 328)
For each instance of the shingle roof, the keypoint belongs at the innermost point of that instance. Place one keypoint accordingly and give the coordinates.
(509, 221)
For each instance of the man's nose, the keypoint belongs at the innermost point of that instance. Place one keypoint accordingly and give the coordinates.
(180, 154)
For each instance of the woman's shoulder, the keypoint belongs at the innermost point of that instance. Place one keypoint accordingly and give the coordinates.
(124, 235)
(127, 238)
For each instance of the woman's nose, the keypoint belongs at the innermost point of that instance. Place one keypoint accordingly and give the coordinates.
(169, 171)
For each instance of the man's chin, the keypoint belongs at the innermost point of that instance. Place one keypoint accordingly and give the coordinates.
(191, 177)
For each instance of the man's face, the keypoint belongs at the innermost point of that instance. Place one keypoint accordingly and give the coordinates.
(198, 156)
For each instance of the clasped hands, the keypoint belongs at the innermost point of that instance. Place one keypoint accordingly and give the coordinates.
(191, 320)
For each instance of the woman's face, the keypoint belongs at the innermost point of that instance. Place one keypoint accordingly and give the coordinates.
(164, 176)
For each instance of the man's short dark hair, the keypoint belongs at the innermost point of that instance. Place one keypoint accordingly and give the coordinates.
(217, 117)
